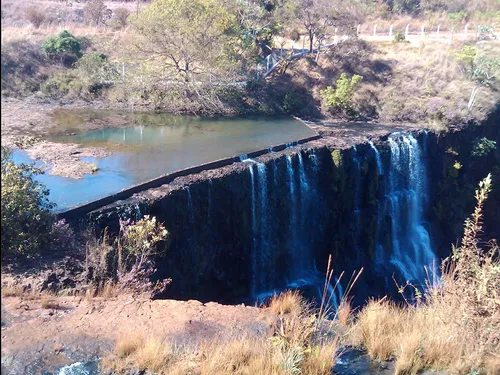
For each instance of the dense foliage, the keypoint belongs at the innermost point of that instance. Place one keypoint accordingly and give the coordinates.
(483, 146)
(186, 37)
(63, 46)
(340, 97)
(26, 220)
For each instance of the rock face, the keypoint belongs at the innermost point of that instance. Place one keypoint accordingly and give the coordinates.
(391, 206)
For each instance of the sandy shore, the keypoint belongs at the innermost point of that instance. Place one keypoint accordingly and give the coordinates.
(29, 118)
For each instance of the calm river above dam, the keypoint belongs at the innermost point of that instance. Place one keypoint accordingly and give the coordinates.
(147, 146)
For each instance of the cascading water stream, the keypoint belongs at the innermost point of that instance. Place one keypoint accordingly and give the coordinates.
(380, 167)
(254, 236)
(300, 221)
(356, 232)
(411, 247)
(209, 209)
(190, 207)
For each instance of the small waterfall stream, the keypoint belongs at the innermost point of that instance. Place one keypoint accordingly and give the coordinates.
(377, 158)
(356, 231)
(255, 269)
(299, 222)
(411, 249)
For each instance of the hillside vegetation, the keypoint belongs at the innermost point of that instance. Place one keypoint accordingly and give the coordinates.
(155, 56)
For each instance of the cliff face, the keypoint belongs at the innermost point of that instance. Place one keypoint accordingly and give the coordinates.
(391, 207)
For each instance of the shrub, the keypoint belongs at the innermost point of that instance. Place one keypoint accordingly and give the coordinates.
(26, 220)
(121, 16)
(398, 37)
(129, 259)
(63, 46)
(483, 146)
(138, 244)
(34, 15)
(96, 67)
(95, 72)
(292, 102)
(340, 98)
(486, 32)
(60, 85)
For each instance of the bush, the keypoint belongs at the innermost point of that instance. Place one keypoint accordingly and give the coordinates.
(96, 67)
(61, 84)
(292, 102)
(26, 220)
(34, 15)
(63, 46)
(483, 146)
(340, 98)
(129, 259)
(398, 37)
(121, 16)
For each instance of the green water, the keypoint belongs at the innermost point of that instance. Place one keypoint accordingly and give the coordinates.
(145, 146)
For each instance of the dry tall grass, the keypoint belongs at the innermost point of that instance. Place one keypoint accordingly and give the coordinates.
(293, 345)
(48, 302)
(457, 327)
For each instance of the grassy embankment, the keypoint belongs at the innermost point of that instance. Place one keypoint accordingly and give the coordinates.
(430, 83)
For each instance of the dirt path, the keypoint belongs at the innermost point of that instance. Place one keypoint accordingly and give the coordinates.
(34, 338)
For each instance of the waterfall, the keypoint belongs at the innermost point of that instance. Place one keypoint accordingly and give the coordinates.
(275, 174)
(190, 207)
(293, 206)
(377, 158)
(209, 209)
(264, 254)
(300, 221)
(405, 198)
(356, 231)
(254, 236)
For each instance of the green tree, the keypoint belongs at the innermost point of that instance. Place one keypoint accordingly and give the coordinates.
(63, 46)
(341, 96)
(26, 220)
(186, 37)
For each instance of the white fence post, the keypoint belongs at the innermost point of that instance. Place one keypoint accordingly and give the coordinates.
(407, 30)
(390, 30)
(357, 29)
(439, 26)
(375, 30)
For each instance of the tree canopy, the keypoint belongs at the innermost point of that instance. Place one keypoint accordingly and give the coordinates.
(187, 37)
